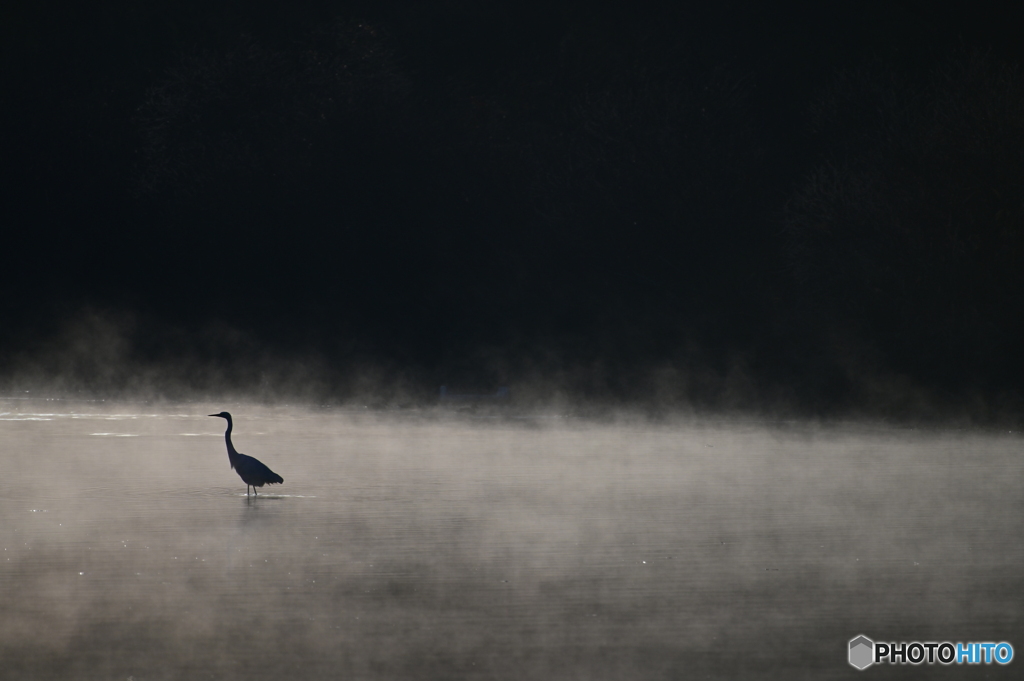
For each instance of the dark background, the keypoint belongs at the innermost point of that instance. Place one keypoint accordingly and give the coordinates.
(804, 208)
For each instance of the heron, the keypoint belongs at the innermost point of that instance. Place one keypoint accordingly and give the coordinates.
(252, 471)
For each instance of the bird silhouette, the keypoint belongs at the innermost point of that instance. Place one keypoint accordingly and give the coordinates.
(252, 471)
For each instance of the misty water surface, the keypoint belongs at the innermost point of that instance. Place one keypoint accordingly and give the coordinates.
(408, 547)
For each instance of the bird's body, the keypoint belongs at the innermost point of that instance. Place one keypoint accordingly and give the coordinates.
(252, 471)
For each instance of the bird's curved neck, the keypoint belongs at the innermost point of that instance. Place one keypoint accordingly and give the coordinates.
(232, 452)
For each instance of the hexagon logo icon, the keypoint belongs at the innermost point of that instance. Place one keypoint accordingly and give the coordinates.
(862, 652)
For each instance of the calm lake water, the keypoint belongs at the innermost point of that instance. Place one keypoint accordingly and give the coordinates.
(408, 547)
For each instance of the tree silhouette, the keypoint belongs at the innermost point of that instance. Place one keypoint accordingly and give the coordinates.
(912, 227)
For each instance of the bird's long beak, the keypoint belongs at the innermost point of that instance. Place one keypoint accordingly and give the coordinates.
(213, 414)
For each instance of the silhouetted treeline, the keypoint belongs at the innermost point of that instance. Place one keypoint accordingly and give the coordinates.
(723, 205)
(580, 195)
(909, 235)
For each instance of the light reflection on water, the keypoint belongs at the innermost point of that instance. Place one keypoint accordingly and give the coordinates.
(410, 548)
